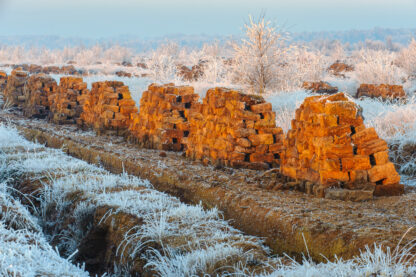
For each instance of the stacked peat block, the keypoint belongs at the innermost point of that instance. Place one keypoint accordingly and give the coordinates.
(34, 69)
(162, 122)
(123, 74)
(14, 91)
(22, 67)
(234, 129)
(320, 87)
(142, 65)
(191, 74)
(68, 70)
(3, 80)
(384, 91)
(330, 147)
(36, 93)
(66, 105)
(52, 69)
(338, 69)
(108, 108)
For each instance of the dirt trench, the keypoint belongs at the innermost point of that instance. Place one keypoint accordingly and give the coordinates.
(102, 231)
(104, 235)
(286, 219)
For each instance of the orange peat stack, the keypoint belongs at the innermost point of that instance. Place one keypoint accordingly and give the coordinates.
(3, 80)
(384, 91)
(66, 104)
(108, 108)
(162, 122)
(330, 146)
(234, 129)
(36, 93)
(14, 91)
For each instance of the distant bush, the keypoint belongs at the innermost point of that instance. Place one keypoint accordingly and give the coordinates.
(377, 67)
(406, 59)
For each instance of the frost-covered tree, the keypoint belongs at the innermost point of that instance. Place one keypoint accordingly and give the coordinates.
(338, 51)
(259, 54)
(212, 57)
(407, 58)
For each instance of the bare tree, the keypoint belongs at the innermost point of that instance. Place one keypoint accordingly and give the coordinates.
(259, 54)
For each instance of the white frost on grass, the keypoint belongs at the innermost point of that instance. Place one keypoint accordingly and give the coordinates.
(24, 251)
(10, 138)
(285, 105)
(197, 263)
(168, 221)
(184, 229)
(13, 213)
(371, 262)
(192, 241)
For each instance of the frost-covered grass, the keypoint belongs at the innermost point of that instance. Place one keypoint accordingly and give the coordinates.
(374, 63)
(26, 253)
(24, 250)
(285, 105)
(371, 262)
(199, 239)
(177, 227)
(191, 241)
(221, 66)
(377, 67)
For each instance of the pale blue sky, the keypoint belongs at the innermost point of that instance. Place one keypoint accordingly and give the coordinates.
(101, 18)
